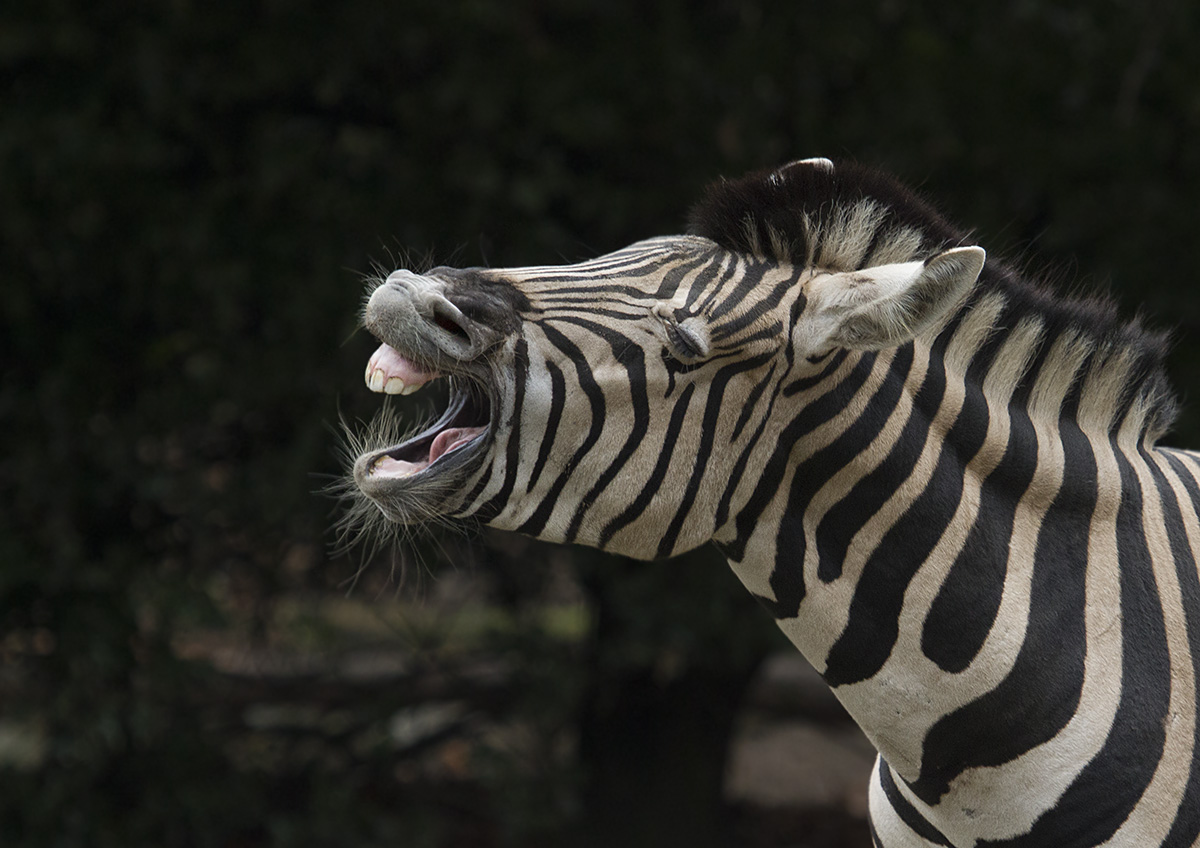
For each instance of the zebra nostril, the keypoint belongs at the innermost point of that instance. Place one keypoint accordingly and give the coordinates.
(451, 325)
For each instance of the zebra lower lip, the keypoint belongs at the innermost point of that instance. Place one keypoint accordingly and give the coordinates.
(445, 442)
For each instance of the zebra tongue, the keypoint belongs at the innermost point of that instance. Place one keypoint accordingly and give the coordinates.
(450, 438)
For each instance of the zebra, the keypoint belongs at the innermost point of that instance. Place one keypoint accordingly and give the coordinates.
(941, 479)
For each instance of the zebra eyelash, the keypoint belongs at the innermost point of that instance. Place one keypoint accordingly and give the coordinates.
(685, 342)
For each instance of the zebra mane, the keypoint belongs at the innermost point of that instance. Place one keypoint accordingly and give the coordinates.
(852, 217)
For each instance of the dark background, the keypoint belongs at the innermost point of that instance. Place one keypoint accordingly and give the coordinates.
(190, 195)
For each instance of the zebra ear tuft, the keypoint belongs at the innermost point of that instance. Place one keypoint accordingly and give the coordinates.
(887, 305)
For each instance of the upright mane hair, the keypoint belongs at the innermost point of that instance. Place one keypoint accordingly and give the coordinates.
(850, 217)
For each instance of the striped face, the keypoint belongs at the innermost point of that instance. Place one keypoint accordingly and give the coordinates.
(622, 402)
(585, 399)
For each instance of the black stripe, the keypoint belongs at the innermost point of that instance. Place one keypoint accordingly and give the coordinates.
(869, 494)
(815, 471)
(875, 843)
(708, 429)
(1186, 829)
(794, 313)
(751, 277)
(809, 418)
(485, 477)
(758, 310)
(748, 407)
(653, 485)
(558, 398)
(492, 508)
(805, 383)
(705, 277)
(1041, 692)
(597, 291)
(1033, 371)
(773, 331)
(632, 357)
(736, 549)
(534, 525)
(670, 280)
(622, 268)
(1102, 795)
(787, 576)
(588, 307)
(868, 257)
(967, 603)
(694, 292)
(737, 268)
(873, 623)
(969, 598)
(908, 814)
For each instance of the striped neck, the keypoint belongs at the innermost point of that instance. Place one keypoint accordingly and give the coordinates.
(901, 544)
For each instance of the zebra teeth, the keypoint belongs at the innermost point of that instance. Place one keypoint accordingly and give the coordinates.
(394, 385)
(389, 372)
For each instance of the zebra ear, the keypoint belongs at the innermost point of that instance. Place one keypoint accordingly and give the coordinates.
(888, 305)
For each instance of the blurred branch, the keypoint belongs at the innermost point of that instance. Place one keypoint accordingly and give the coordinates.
(482, 683)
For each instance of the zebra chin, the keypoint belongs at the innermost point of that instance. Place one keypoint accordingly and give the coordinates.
(413, 502)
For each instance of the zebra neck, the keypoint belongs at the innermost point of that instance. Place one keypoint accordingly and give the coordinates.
(928, 492)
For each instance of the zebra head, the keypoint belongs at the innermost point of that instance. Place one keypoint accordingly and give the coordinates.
(629, 402)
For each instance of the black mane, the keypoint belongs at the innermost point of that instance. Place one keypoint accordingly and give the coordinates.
(797, 213)
(798, 201)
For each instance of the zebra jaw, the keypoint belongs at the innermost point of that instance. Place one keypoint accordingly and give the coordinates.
(391, 373)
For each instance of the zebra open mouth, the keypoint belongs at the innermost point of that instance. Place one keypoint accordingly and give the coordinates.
(464, 423)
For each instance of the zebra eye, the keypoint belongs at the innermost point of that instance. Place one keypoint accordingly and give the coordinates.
(687, 341)
(686, 338)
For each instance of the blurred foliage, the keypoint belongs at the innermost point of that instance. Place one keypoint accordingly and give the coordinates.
(191, 193)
